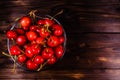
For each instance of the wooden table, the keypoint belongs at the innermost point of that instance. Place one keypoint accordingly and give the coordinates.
(93, 39)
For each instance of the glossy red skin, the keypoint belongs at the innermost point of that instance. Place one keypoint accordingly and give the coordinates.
(59, 51)
(22, 58)
(25, 22)
(38, 59)
(47, 53)
(61, 39)
(11, 34)
(40, 40)
(31, 35)
(44, 32)
(40, 22)
(14, 50)
(53, 41)
(21, 40)
(29, 52)
(35, 49)
(52, 61)
(31, 65)
(48, 22)
(20, 31)
(33, 28)
(58, 31)
(38, 29)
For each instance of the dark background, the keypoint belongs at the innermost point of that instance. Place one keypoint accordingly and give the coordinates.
(93, 39)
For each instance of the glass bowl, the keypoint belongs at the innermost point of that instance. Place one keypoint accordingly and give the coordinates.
(10, 42)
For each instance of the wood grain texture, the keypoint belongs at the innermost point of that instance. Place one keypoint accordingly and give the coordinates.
(93, 39)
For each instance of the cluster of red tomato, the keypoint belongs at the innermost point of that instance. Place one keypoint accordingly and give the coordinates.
(37, 42)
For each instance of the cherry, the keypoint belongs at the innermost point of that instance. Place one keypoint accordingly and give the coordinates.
(31, 65)
(33, 28)
(20, 31)
(53, 41)
(38, 59)
(11, 34)
(59, 51)
(31, 35)
(44, 32)
(51, 60)
(35, 49)
(61, 39)
(38, 29)
(48, 22)
(29, 52)
(22, 58)
(21, 40)
(57, 29)
(25, 22)
(40, 40)
(14, 50)
(40, 22)
(47, 53)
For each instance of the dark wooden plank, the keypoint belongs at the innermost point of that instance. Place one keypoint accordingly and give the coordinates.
(93, 50)
(86, 74)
